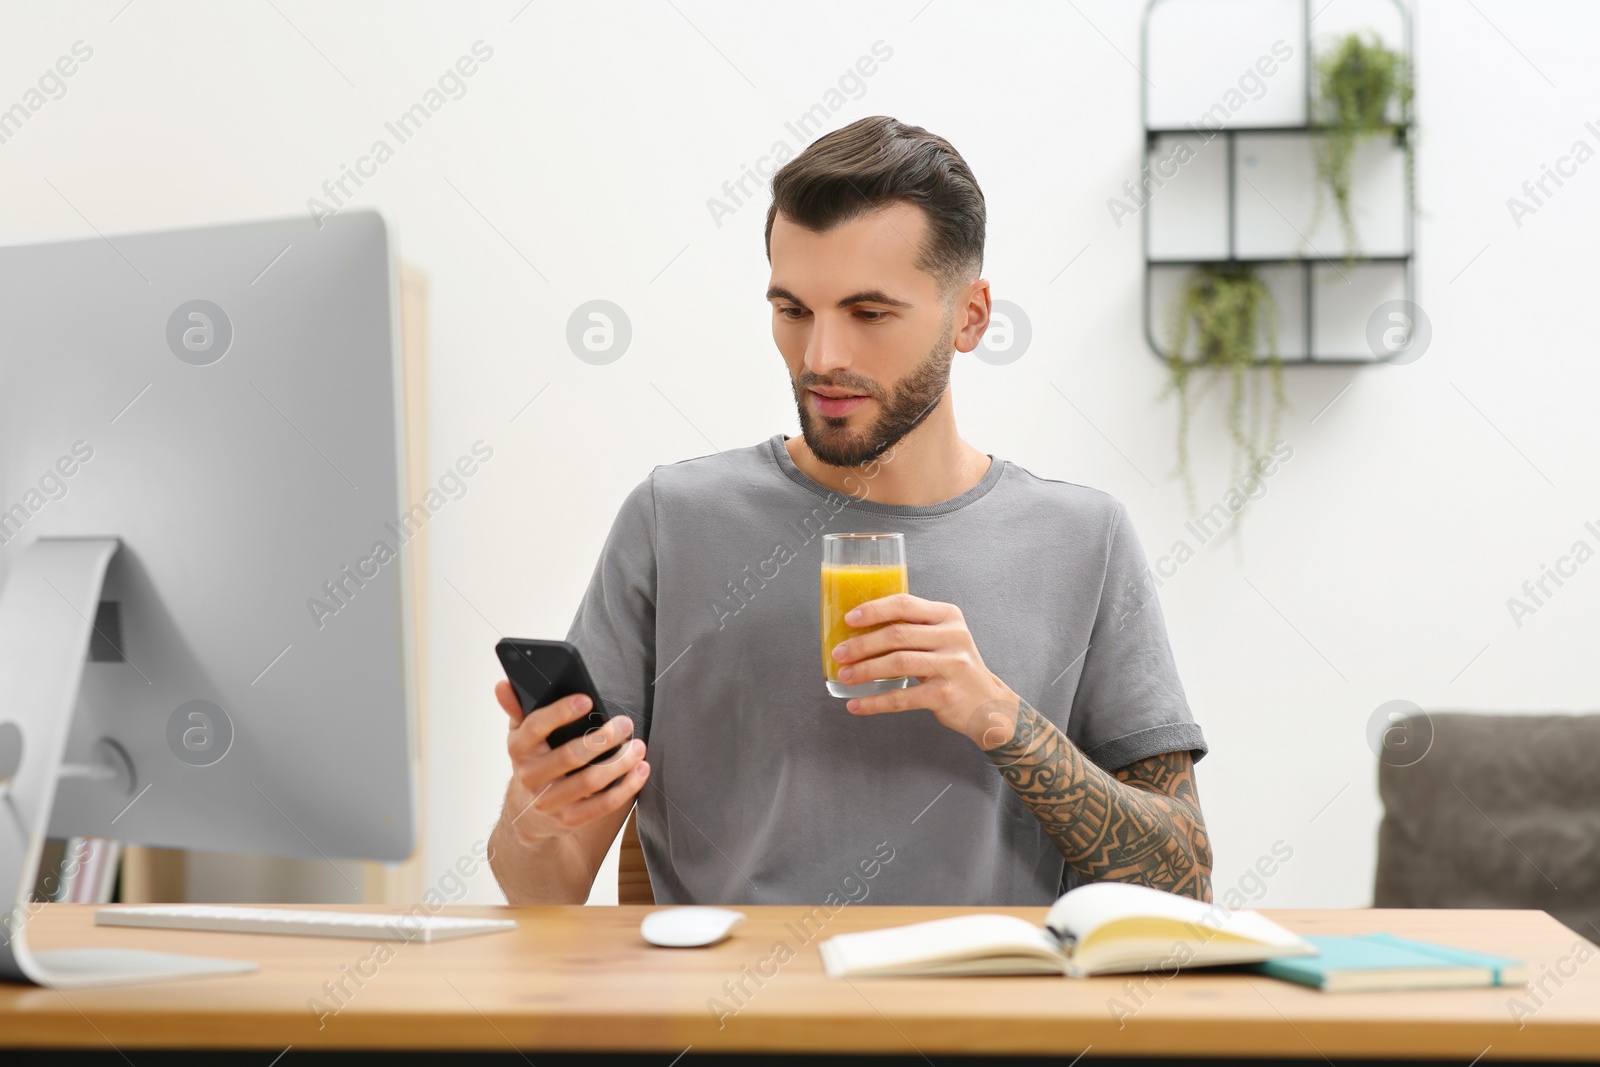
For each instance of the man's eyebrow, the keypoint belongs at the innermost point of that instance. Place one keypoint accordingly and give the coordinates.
(866, 296)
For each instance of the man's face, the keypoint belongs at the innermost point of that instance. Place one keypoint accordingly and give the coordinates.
(867, 340)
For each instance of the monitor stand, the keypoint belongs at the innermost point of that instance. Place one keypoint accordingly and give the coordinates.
(47, 608)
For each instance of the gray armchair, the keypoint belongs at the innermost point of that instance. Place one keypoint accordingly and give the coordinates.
(1503, 811)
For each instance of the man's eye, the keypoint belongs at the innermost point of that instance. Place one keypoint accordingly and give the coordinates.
(869, 314)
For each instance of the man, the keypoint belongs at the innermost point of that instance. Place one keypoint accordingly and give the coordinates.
(1047, 741)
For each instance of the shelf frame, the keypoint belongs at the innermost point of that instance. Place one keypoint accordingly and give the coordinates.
(1152, 134)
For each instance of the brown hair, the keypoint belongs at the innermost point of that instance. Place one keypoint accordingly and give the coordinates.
(878, 160)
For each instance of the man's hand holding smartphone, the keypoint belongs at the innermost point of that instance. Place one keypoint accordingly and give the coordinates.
(552, 794)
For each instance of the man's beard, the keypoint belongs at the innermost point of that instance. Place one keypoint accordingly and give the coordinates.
(914, 397)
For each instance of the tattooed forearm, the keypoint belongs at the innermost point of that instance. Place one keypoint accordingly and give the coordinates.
(1142, 824)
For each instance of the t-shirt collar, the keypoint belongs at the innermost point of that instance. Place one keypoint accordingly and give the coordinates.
(786, 464)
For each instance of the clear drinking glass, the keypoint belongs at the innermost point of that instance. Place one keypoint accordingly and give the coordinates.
(857, 567)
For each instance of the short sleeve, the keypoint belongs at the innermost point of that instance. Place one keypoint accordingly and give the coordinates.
(615, 624)
(1130, 703)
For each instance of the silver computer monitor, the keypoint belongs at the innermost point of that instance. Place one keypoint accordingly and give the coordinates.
(221, 405)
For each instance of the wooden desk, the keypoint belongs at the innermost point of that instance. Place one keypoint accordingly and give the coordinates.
(574, 978)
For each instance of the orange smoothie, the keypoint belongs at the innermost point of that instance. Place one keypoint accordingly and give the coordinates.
(844, 587)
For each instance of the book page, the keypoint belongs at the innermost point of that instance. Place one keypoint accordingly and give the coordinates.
(958, 937)
(1083, 910)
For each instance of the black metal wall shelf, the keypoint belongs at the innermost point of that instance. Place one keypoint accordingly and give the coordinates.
(1308, 264)
(1273, 261)
(1153, 132)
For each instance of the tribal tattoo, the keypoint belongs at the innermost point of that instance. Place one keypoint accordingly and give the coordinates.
(1142, 824)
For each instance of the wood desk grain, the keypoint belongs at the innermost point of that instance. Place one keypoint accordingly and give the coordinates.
(575, 978)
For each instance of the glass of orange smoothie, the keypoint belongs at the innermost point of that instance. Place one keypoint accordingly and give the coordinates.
(856, 568)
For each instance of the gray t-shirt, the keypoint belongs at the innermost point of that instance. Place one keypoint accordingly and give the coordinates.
(702, 622)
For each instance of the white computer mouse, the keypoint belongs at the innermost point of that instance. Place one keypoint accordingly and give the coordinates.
(689, 926)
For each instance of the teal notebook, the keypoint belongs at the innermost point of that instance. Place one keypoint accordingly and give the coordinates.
(1383, 961)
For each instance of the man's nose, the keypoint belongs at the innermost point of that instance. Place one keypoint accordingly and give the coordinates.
(827, 349)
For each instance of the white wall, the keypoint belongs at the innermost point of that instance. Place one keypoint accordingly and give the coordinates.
(578, 165)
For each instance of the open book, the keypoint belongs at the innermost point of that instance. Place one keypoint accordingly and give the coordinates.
(1101, 928)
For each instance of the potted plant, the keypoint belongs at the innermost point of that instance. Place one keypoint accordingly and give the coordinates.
(1226, 309)
(1357, 80)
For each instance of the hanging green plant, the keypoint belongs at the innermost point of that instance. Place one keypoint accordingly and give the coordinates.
(1226, 309)
(1357, 80)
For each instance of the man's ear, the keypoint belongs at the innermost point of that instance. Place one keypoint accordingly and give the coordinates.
(972, 300)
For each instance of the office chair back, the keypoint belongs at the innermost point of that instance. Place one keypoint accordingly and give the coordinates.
(1503, 811)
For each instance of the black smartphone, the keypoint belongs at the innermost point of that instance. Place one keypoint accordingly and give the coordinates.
(542, 672)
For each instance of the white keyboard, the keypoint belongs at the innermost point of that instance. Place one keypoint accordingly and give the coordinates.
(369, 926)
